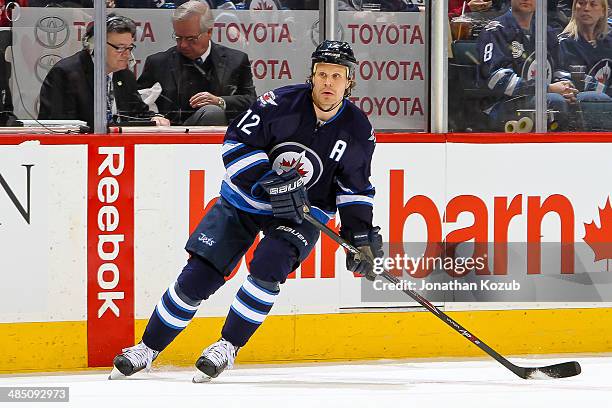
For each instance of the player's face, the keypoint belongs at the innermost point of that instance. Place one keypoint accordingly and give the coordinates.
(118, 54)
(523, 6)
(588, 12)
(329, 83)
(190, 40)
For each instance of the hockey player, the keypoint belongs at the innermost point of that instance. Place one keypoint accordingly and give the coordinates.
(506, 49)
(587, 44)
(297, 145)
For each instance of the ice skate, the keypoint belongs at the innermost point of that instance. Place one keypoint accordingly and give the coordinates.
(132, 360)
(214, 360)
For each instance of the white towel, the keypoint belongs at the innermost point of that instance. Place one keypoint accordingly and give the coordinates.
(150, 95)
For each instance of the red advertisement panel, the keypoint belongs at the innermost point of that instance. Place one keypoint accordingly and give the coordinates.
(110, 251)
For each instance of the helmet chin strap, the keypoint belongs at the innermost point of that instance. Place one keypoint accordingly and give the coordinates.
(327, 110)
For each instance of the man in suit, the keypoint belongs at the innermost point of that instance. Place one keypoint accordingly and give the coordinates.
(68, 89)
(7, 117)
(203, 83)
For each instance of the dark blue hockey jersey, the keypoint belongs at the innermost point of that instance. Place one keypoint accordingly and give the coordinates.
(596, 58)
(507, 58)
(280, 131)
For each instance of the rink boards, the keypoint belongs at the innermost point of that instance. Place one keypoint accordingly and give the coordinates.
(92, 231)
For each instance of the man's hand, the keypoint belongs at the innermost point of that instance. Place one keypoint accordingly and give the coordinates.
(370, 243)
(160, 121)
(203, 98)
(565, 89)
(287, 194)
(480, 5)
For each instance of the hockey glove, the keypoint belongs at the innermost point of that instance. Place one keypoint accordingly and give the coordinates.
(369, 243)
(287, 195)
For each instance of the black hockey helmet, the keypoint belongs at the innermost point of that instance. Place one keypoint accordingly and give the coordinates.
(335, 52)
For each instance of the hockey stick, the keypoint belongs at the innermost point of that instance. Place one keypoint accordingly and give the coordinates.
(561, 370)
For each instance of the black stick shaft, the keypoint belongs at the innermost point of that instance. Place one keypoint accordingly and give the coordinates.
(421, 300)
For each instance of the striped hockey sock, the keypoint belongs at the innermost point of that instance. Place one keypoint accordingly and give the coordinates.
(171, 315)
(248, 311)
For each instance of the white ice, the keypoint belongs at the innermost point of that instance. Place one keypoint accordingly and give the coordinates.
(402, 384)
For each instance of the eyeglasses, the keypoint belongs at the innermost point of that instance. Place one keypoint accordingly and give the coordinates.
(189, 39)
(121, 49)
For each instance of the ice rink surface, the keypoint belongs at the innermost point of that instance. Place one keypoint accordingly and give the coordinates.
(401, 383)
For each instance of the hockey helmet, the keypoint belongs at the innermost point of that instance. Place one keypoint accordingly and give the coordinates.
(335, 52)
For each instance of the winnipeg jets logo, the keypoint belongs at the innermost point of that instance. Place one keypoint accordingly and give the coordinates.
(517, 49)
(530, 68)
(267, 99)
(285, 165)
(293, 160)
(602, 72)
(292, 155)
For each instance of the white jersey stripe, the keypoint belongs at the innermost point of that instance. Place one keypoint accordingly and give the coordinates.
(512, 85)
(346, 199)
(229, 146)
(498, 76)
(241, 164)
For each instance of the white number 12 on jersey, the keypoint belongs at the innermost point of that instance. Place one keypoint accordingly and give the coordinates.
(253, 121)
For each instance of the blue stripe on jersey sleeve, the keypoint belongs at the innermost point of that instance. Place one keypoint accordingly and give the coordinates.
(243, 201)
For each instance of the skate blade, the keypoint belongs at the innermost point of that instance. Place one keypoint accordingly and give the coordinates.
(200, 377)
(116, 374)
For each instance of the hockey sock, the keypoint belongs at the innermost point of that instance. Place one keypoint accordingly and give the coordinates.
(171, 315)
(197, 281)
(251, 305)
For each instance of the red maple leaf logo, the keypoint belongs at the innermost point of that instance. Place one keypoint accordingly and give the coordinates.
(286, 165)
(603, 78)
(600, 239)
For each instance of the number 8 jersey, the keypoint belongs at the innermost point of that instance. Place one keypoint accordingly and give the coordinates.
(507, 58)
(280, 131)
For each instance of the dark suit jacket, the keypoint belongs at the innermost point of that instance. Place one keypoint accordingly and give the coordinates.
(232, 80)
(68, 91)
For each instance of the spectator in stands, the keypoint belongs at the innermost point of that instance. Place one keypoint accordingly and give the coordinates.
(68, 92)
(484, 8)
(68, 3)
(378, 5)
(506, 49)
(139, 4)
(565, 7)
(203, 83)
(558, 14)
(586, 47)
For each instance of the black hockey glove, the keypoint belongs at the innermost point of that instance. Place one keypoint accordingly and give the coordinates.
(287, 195)
(370, 243)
